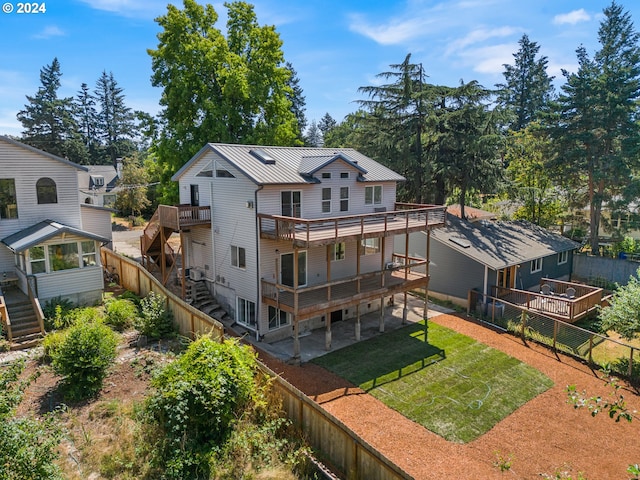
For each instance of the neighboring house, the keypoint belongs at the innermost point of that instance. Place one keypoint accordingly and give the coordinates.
(48, 241)
(99, 184)
(297, 238)
(480, 255)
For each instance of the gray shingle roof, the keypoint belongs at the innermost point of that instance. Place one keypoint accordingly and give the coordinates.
(292, 163)
(42, 231)
(501, 244)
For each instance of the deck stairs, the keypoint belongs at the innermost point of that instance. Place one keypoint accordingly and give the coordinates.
(198, 296)
(154, 240)
(25, 328)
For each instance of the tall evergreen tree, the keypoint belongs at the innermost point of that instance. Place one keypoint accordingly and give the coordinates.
(326, 124)
(597, 131)
(313, 136)
(395, 124)
(297, 99)
(87, 119)
(48, 120)
(468, 138)
(528, 88)
(218, 89)
(115, 125)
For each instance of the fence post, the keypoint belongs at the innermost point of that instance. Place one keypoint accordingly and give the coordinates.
(590, 349)
(555, 334)
(523, 321)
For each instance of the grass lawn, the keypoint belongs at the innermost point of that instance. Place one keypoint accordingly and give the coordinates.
(454, 386)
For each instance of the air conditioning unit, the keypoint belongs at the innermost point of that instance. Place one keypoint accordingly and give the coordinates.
(195, 274)
(392, 265)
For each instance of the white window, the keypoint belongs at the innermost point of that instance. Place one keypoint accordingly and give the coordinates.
(246, 312)
(8, 198)
(563, 257)
(536, 265)
(238, 257)
(373, 195)
(63, 256)
(278, 318)
(344, 199)
(337, 251)
(326, 200)
(370, 246)
(37, 260)
(291, 203)
(88, 253)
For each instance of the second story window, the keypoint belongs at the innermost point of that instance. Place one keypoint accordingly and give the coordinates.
(326, 200)
(46, 191)
(291, 203)
(8, 198)
(238, 257)
(344, 199)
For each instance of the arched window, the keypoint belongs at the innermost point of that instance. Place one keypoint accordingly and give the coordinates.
(46, 191)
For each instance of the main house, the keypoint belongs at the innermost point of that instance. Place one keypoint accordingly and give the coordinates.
(296, 238)
(49, 240)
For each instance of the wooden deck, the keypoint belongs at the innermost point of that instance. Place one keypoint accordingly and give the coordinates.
(307, 233)
(557, 304)
(315, 300)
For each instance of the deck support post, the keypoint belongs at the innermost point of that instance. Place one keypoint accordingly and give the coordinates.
(404, 310)
(381, 327)
(327, 333)
(358, 323)
(296, 341)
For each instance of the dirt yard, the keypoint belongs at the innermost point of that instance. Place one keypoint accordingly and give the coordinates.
(543, 437)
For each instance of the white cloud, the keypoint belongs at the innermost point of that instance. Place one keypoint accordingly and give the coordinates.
(50, 31)
(395, 32)
(480, 35)
(572, 18)
(488, 60)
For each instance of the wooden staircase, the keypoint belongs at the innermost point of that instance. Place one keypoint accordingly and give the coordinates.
(154, 242)
(199, 297)
(25, 327)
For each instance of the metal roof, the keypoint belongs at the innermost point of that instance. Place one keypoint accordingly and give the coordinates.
(289, 165)
(501, 244)
(42, 231)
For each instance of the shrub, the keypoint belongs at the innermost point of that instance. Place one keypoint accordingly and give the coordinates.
(55, 313)
(28, 447)
(156, 321)
(121, 314)
(197, 400)
(51, 343)
(83, 357)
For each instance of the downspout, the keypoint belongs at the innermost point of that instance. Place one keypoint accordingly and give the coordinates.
(258, 282)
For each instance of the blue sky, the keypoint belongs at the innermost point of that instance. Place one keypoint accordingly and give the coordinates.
(335, 46)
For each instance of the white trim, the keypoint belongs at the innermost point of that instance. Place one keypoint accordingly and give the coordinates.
(563, 257)
(536, 265)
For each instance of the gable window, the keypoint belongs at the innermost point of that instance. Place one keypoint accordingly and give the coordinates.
(97, 181)
(278, 318)
(238, 257)
(373, 195)
(344, 199)
(326, 200)
(291, 203)
(46, 191)
(222, 173)
(370, 246)
(536, 265)
(326, 174)
(338, 251)
(246, 312)
(563, 257)
(8, 198)
(344, 174)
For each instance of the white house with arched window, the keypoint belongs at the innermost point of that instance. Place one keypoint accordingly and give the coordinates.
(47, 238)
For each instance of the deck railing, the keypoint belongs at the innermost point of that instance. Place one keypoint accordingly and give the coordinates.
(365, 225)
(4, 317)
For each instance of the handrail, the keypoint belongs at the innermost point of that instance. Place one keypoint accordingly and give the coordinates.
(4, 316)
(35, 303)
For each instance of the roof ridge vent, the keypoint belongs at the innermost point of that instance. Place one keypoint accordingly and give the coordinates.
(263, 156)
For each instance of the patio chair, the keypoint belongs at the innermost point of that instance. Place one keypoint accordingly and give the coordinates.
(571, 292)
(545, 289)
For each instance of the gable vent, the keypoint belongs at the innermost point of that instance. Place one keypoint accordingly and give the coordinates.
(263, 156)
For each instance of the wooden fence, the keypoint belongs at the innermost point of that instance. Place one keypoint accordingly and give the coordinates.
(349, 454)
(344, 449)
(134, 277)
